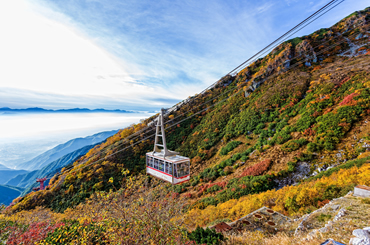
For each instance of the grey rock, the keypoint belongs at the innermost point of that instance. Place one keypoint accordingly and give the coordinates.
(335, 207)
(361, 234)
(355, 241)
(323, 230)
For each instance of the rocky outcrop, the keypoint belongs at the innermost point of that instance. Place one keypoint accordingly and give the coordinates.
(362, 237)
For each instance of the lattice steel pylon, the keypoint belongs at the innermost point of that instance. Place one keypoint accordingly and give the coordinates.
(159, 133)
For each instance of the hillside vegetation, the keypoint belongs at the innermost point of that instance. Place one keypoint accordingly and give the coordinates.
(297, 116)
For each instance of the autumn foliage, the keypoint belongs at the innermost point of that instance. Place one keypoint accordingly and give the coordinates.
(257, 169)
(348, 99)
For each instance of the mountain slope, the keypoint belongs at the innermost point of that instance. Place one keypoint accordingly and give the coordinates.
(300, 101)
(19, 179)
(54, 167)
(8, 193)
(2, 167)
(59, 151)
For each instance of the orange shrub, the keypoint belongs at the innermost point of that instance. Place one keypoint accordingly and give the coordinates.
(257, 169)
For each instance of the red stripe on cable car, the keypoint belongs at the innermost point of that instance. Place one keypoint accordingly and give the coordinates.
(182, 177)
(181, 182)
(159, 171)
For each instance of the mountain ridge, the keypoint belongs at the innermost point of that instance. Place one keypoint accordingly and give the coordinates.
(42, 110)
(60, 150)
(8, 193)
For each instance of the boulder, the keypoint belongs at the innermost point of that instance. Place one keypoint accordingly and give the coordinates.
(356, 241)
(361, 234)
(362, 237)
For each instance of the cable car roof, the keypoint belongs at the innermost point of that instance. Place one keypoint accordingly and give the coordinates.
(175, 158)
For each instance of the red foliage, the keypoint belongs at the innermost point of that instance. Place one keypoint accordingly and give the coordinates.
(317, 68)
(196, 160)
(327, 111)
(322, 204)
(342, 82)
(188, 195)
(257, 169)
(291, 104)
(309, 131)
(316, 114)
(348, 99)
(33, 234)
(175, 195)
(205, 187)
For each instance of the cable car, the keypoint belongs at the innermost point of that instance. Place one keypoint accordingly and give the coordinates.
(164, 164)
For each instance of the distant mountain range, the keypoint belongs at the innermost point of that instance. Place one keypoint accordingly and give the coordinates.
(27, 180)
(14, 183)
(42, 110)
(7, 174)
(2, 167)
(8, 193)
(59, 151)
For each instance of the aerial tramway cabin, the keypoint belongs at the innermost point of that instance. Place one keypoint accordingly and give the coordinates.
(164, 164)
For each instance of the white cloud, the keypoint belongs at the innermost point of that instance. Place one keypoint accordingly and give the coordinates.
(51, 56)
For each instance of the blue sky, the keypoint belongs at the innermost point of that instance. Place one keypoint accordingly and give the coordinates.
(140, 55)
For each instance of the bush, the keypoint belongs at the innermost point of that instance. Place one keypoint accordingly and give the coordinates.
(259, 128)
(229, 147)
(312, 147)
(206, 236)
(293, 145)
(257, 169)
(281, 137)
(209, 174)
(209, 201)
(365, 201)
(323, 217)
(213, 189)
(73, 233)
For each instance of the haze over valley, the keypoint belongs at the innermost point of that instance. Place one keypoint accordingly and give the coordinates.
(26, 135)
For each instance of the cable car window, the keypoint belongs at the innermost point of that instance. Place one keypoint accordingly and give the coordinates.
(182, 169)
(156, 163)
(175, 170)
(170, 168)
(166, 167)
(151, 163)
(161, 165)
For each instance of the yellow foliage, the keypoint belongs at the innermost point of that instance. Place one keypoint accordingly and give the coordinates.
(363, 155)
(303, 194)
